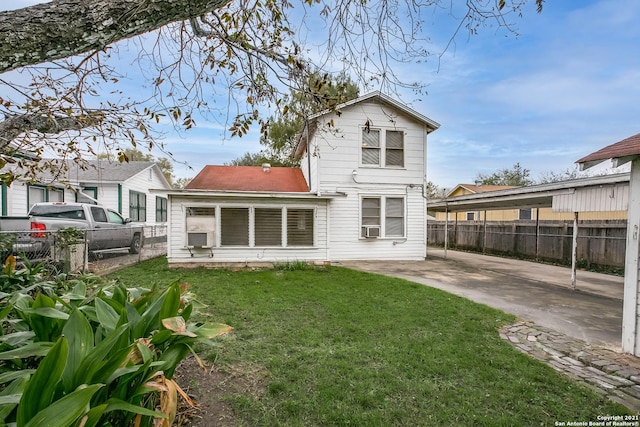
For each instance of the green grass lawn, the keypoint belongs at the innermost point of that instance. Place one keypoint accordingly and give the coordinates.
(342, 347)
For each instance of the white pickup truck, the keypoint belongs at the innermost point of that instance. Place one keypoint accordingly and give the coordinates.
(105, 228)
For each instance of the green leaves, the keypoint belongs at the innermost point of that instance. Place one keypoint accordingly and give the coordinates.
(102, 354)
(40, 389)
(65, 411)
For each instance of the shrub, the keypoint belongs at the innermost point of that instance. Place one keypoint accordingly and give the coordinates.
(95, 355)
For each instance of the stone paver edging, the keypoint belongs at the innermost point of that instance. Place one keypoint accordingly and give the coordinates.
(612, 374)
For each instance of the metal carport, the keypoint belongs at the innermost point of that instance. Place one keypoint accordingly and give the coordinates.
(580, 195)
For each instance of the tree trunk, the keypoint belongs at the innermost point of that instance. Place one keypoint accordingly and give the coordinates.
(63, 28)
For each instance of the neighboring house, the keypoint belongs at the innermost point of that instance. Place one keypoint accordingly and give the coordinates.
(514, 214)
(357, 195)
(124, 187)
(464, 189)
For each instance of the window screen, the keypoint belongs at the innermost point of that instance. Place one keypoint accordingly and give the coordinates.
(371, 211)
(524, 214)
(137, 206)
(300, 227)
(370, 147)
(394, 148)
(161, 209)
(394, 217)
(36, 195)
(56, 195)
(268, 227)
(235, 226)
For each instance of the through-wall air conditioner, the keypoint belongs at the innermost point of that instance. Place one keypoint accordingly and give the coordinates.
(370, 231)
(201, 223)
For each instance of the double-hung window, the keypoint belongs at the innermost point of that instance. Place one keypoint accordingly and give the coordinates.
(38, 194)
(161, 209)
(383, 148)
(382, 217)
(137, 206)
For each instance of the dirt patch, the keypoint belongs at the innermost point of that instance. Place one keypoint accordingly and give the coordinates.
(212, 389)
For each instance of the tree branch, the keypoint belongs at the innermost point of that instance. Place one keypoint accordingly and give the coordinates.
(63, 28)
(13, 126)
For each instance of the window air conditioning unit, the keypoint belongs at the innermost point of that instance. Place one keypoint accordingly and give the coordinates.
(370, 231)
(200, 228)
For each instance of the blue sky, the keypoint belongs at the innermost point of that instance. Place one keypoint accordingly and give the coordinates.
(566, 85)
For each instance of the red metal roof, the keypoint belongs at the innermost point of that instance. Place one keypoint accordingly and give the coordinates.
(626, 147)
(249, 178)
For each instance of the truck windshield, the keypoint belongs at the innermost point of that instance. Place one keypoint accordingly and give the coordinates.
(58, 211)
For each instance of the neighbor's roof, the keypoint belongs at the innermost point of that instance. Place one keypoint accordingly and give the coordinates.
(621, 152)
(540, 195)
(249, 178)
(96, 171)
(481, 188)
(106, 170)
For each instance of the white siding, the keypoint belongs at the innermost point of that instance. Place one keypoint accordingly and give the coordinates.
(108, 196)
(17, 199)
(344, 233)
(605, 198)
(143, 182)
(338, 154)
(117, 197)
(339, 148)
(178, 253)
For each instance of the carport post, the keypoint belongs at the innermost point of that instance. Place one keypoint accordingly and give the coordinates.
(574, 251)
(537, 234)
(446, 230)
(484, 233)
(630, 338)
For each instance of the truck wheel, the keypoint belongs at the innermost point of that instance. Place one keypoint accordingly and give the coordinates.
(136, 244)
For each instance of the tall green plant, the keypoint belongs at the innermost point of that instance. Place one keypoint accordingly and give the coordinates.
(100, 355)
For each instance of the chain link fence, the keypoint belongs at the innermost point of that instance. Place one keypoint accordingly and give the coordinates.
(72, 250)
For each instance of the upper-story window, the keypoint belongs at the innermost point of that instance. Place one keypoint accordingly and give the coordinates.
(384, 148)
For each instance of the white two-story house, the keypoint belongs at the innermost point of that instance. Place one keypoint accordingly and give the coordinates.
(358, 194)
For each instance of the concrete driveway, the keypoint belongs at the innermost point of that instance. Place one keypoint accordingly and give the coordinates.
(537, 292)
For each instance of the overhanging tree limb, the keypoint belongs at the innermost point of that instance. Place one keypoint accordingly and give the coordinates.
(63, 28)
(12, 127)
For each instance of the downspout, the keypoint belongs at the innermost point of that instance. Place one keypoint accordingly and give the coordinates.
(120, 199)
(4, 199)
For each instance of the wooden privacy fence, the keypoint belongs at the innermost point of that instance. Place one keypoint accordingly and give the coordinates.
(601, 244)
